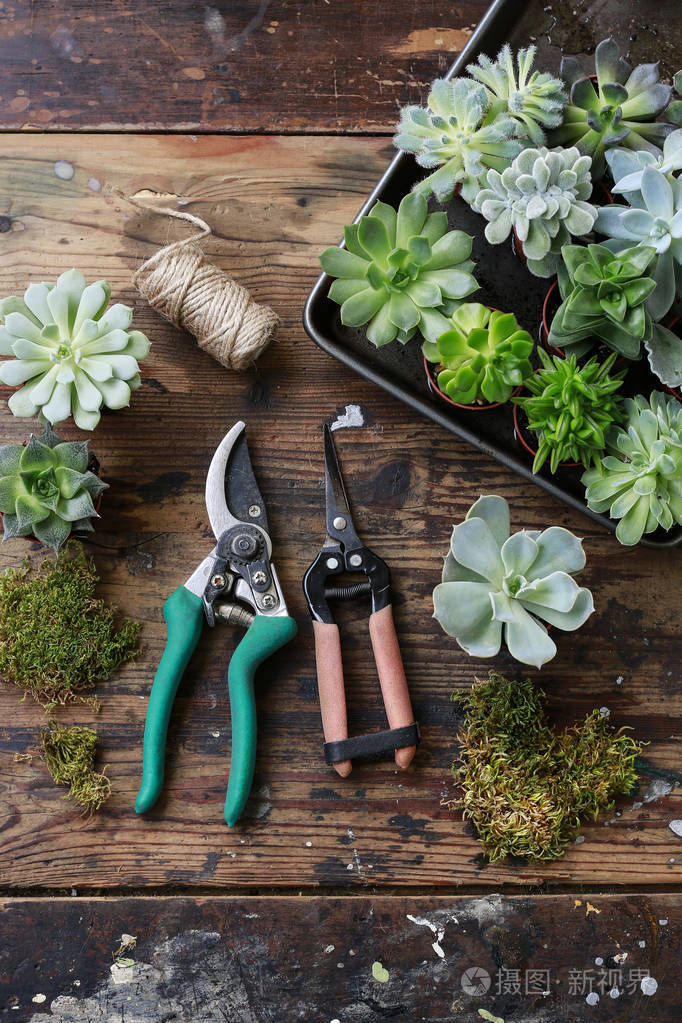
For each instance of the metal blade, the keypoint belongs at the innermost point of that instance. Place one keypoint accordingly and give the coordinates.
(337, 507)
(232, 494)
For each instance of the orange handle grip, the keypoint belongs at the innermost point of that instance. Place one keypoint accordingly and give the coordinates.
(389, 664)
(331, 687)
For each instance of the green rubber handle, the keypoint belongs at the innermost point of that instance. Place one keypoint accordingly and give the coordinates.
(264, 637)
(184, 614)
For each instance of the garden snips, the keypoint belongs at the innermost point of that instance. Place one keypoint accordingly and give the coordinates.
(236, 584)
(341, 552)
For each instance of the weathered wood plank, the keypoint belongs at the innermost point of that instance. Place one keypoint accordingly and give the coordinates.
(275, 203)
(355, 960)
(256, 65)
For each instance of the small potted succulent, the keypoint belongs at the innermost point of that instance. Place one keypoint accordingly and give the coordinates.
(494, 582)
(400, 272)
(71, 353)
(481, 359)
(639, 482)
(541, 197)
(618, 109)
(47, 490)
(569, 409)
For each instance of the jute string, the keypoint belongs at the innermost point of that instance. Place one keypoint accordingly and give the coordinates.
(196, 295)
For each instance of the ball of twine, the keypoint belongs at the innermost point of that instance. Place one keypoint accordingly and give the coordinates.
(196, 295)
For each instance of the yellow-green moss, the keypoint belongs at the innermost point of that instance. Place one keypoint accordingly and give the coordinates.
(525, 786)
(69, 753)
(56, 638)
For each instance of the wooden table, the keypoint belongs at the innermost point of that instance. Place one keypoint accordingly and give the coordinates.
(272, 121)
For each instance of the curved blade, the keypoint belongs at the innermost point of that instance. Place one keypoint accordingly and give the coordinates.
(232, 494)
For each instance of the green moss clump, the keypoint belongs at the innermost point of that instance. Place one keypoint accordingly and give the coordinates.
(69, 753)
(56, 638)
(526, 786)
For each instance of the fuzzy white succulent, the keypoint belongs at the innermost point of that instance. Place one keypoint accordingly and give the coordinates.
(542, 196)
(493, 580)
(71, 353)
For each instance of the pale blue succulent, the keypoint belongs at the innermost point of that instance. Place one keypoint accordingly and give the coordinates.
(627, 165)
(494, 581)
(653, 218)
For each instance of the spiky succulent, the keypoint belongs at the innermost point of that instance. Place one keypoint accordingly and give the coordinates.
(46, 489)
(570, 408)
(484, 355)
(541, 195)
(639, 482)
(493, 580)
(400, 272)
(653, 218)
(533, 99)
(603, 299)
(458, 133)
(71, 353)
(620, 111)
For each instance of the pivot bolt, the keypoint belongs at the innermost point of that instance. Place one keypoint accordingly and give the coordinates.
(355, 560)
(269, 601)
(339, 522)
(260, 577)
(254, 511)
(244, 546)
(332, 563)
(218, 581)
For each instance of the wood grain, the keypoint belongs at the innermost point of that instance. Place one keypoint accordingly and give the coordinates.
(275, 203)
(361, 960)
(250, 66)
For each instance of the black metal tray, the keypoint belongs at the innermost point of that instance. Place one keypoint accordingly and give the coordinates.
(504, 282)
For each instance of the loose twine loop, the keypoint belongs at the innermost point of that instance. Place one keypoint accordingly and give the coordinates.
(196, 295)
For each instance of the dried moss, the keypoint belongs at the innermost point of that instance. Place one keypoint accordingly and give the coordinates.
(56, 638)
(525, 786)
(69, 753)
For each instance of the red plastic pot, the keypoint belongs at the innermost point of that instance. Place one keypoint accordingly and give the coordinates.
(552, 297)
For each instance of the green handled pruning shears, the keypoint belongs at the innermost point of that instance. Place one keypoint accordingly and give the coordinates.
(237, 583)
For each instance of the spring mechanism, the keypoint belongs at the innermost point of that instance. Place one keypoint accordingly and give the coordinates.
(347, 592)
(234, 614)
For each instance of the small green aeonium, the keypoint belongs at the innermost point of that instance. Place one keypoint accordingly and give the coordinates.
(484, 355)
(400, 272)
(639, 482)
(492, 579)
(71, 353)
(46, 489)
(571, 407)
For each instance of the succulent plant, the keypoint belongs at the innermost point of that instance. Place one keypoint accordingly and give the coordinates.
(458, 133)
(603, 298)
(492, 579)
(532, 98)
(71, 353)
(571, 407)
(654, 218)
(626, 165)
(640, 481)
(400, 272)
(46, 489)
(620, 111)
(484, 355)
(541, 195)
(674, 109)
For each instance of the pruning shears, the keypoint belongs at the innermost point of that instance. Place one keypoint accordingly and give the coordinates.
(341, 552)
(235, 584)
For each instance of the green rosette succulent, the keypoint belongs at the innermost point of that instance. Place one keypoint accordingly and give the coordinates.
(46, 489)
(571, 407)
(400, 272)
(494, 581)
(639, 482)
(654, 219)
(620, 111)
(603, 299)
(542, 196)
(532, 99)
(484, 355)
(458, 133)
(71, 353)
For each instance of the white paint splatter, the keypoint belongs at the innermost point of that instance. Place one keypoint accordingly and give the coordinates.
(350, 833)
(421, 921)
(353, 416)
(592, 998)
(94, 185)
(619, 680)
(649, 985)
(605, 712)
(216, 735)
(676, 828)
(663, 922)
(658, 788)
(214, 23)
(329, 949)
(121, 974)
(614, 993)
(642, 944)
(64, 170)
(579, 840)
(39, 999)
(599, 961)
(309, 845)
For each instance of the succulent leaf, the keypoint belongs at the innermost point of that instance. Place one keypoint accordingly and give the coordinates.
(495, 584)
